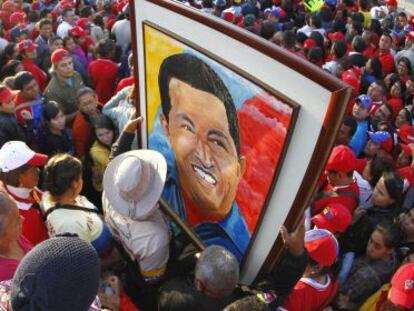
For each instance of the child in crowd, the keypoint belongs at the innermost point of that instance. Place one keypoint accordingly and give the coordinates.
(105, 133)
(19, 166)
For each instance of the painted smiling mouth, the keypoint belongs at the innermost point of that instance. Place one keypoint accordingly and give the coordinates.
(206, 176)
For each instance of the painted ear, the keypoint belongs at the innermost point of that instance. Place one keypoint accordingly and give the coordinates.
(242, 165)
(164, 124)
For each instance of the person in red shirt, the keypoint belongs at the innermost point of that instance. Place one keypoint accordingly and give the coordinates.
(28, 51)
(340, 187)
(104, 71)
(19, 167)
(87, 102)
(317, 287)
(385, 56)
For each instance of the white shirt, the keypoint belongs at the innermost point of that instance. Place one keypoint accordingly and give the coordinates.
(63, 29)
(147, 241)
(122, 32)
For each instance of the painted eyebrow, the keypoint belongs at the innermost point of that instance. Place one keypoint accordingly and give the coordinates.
(217, 133)
(184, 117)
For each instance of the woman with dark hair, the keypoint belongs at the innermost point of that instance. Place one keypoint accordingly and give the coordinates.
(373, 269)
(12, 67)
(10, 52)
(403, 117)
(105, 134)
(66, 211)
(54, 137)
(386, 200)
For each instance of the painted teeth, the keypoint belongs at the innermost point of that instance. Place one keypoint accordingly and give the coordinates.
(204, 175)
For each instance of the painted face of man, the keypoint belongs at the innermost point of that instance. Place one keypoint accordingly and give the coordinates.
(207, 161)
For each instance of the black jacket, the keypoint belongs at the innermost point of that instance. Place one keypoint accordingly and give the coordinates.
(11, 130)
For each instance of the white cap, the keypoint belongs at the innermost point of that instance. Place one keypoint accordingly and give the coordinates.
(15, 154)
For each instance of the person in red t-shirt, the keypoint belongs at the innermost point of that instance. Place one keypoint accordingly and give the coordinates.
(19, 166)
(385, 56)
(103, 71)
(340, 186)
(317, 287)
(87, 102)
(28, 51)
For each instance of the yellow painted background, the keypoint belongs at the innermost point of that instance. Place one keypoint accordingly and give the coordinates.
(158, 46)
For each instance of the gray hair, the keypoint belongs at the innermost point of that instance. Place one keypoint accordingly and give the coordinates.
(218, 270)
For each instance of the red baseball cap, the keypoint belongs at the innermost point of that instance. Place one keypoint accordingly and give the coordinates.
(336, 36)
(59, 55)
(309, 43)
(402, 286)
(17, 17)
(406, 134)
(410, 35)
(407, 173)
(27, 46)
(322, 246)
(78, 32)
(228, 16)
(335, 218)
(67, 4)
(406, 149)
(83, 22)
(15, 154)
(6, 95)
(342, 159)
(391, 2)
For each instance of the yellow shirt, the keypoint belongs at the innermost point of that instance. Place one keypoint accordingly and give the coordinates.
(371, 303)
(100, 157)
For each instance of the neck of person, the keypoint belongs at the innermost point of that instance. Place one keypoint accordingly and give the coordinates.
(20, 192)
(65, 199)
(12, 250)
(62, 78)
(55, 131)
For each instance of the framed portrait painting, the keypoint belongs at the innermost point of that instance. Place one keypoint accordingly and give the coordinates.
(244, 126)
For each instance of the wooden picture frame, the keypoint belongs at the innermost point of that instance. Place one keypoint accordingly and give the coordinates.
(318, 102)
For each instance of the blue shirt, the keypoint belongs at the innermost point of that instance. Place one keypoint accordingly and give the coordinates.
(231, 233)
(360, 138)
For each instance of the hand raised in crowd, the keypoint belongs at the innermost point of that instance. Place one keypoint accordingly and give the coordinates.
(314, 5)
(294, 241)
(132, 124)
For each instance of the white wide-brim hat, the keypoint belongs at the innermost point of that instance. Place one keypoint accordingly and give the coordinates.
(133, 182)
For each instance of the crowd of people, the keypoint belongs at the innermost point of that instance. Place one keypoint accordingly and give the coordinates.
(78, 233)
